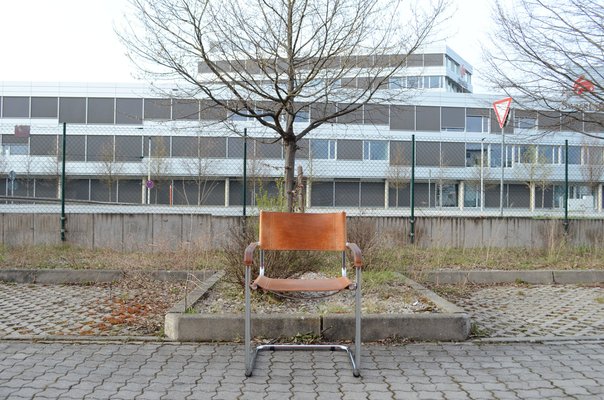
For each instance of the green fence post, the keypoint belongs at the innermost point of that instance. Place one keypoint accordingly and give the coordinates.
(244, 171)
(566, 186)
(412, 191)
(63, 218)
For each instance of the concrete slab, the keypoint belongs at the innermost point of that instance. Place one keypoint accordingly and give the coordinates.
(451, 324)
(579, 277)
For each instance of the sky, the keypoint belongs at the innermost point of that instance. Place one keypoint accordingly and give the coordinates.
(75, 41)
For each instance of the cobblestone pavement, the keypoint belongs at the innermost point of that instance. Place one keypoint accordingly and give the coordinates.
(564, 370)
(41, 310)
(529, 311)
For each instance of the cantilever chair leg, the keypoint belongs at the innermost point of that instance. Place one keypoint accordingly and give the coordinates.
(248, 322)
(357, 334)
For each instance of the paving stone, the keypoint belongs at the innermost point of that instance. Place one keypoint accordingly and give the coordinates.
(532, 311)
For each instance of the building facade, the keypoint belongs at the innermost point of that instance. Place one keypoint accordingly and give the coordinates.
(126, 144)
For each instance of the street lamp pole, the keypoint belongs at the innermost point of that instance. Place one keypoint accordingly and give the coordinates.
(149, 174)
(482, 174)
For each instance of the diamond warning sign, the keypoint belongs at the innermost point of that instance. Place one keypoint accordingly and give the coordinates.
(502, 108)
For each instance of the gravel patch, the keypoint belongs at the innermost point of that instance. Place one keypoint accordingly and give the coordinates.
(386, 298)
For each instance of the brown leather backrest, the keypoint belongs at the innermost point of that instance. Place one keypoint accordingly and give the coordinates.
(294, 231)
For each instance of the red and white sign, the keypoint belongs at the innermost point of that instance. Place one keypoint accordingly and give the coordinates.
(502, 109)
(583, 85)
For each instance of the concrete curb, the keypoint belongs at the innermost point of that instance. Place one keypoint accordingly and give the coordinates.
(67, 276)
(545, 277)
(451, 325)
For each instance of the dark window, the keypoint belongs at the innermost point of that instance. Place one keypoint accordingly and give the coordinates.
(453, 154)
(101, 111)
(129, 191)
(100, 148)
(128, 111)
(46, 188)
(574, 155)
(594, 122)
(572, 121)
(235, 147)
(15, 107)
(376, 114)
(347, 194)
(400, 153)
(72, 110)
(44, 107)
(402, 118)
(303, 149)
(268, 150)
(549, 121)
(399, 195)
(427, 154)
(76, 147)
(236, 193)
(433, 60)
(415, 60)
(372, 194)
(213, 147)
(128, 148)
(453, 119)
(158, 109)
(184, 146)
(350, 149)
(102, 190)
(77, 189)
(205, 192)
(320, 111)
(353, 117)
(211, 111)
(43, 145)
(185, 109)
(428, 118)
(322, 194)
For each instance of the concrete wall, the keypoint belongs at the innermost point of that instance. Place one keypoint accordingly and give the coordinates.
(152, 232)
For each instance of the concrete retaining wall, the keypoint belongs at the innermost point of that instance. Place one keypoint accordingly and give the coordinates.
(148, 232)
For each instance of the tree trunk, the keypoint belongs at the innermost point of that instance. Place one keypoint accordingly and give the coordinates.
(290, 161)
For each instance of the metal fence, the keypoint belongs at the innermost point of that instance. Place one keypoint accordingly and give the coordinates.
(183, 169)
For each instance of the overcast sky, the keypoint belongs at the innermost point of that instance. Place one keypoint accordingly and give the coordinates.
(74, 40)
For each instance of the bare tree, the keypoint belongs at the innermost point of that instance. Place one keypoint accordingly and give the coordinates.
(199, 168)
(399, 171)
(109, 168)
(273, 60)
(535, 170)
(550, 56)
(592, 166)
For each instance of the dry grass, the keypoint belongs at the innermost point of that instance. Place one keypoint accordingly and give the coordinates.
(408, 259)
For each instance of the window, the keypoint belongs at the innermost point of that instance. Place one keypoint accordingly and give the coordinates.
(413, 82)
(473, 157)
(574, 155)
(323, 149)
(15, 107)
(15, 149)
(350, 150)
(302, 116)
(475, 123)
(375, 150)
(496, 155)
(526, 123)
(452, 119)
(396, 82)
(432, 82)
(101, 111)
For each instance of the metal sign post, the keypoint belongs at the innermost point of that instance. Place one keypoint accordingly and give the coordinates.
(502, 110)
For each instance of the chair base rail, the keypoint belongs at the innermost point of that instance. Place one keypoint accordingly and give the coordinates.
(306, 347)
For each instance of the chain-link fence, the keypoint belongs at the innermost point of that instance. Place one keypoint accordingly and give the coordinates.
(183, 169)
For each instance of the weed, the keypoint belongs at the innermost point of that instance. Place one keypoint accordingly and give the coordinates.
(190, 310)
(600, 300)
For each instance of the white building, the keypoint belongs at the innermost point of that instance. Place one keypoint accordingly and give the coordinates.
(359, 162)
